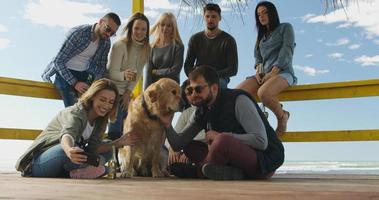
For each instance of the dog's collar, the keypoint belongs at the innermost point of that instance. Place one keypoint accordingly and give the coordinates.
(148, 113)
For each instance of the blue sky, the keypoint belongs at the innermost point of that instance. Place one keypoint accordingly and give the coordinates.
(334, 47)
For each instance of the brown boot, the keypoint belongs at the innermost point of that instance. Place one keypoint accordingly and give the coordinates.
(282, 123)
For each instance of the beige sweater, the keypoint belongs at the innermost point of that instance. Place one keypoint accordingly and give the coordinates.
(121, 59)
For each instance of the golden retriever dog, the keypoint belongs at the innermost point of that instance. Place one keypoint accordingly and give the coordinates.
(159, 99)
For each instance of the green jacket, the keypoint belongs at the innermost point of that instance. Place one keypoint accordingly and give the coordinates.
(72, 121)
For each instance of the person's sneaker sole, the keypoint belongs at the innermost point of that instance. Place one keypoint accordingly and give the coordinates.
(89, 172)
(222, 172)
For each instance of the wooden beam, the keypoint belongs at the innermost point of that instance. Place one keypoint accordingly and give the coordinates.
(331, 136)
(311, 136)
(18, 87)
(138, 6)
(350, 89)
(19, 134)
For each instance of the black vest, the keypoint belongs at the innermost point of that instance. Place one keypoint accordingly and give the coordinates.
(221, 117)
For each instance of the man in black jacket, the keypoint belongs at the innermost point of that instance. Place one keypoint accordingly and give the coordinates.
(241, 143)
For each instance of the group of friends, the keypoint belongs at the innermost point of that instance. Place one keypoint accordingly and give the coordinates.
(221, 134)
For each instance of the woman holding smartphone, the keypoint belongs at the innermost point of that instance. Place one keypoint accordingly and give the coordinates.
(59, 150)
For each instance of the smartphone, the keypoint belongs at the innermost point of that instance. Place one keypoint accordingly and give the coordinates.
(93, 160)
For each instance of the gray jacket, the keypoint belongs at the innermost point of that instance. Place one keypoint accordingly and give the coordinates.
(72, 121)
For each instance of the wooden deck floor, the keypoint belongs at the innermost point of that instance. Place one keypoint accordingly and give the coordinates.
(288, 186)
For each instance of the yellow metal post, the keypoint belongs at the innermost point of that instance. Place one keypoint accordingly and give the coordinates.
(137, 7)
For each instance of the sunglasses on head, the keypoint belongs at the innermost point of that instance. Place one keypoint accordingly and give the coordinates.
(198, 89)
(108, 29)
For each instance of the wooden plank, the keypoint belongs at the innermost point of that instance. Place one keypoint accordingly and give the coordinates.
(19, 134)
(27, 88)
(283, 187)
(331, 136)
(310, 136)
(351, 89)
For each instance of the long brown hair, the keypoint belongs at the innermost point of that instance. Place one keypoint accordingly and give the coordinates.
(128, 31)
(96, 87)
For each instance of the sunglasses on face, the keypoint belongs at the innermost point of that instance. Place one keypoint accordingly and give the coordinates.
(198, 89)
(108, 29)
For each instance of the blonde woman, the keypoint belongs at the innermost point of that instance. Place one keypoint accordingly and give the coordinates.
(126, 60)
(74, 136)
(166, 58)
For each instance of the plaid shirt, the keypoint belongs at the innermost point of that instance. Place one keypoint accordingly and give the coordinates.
(76, 42)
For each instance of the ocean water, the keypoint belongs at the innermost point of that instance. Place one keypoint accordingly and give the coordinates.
(329, 167)
(12, 149)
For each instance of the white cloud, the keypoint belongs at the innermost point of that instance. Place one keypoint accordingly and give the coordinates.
(4, 43)
(308, 55)
(335, 55)
(160, 4)
(155, 7)
(367, 60)
(339, 42)
(354, 46)
(307, 16)
(376, 42)
(319, 40)
(63, 13)
(3, 28)
(310, 71)
(364, 14)
(345, 25)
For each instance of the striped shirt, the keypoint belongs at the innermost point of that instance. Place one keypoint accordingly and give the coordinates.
(76, 42)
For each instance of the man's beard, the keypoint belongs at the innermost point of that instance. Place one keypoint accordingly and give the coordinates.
(204, 102)
(211, 28)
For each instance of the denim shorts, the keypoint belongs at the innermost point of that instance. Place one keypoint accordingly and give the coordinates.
(289, 78)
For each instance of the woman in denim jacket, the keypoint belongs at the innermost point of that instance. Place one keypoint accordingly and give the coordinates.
(73, 136)
(273, 61)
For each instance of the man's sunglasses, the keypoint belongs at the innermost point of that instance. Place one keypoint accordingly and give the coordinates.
(108, 29)
(198, 89)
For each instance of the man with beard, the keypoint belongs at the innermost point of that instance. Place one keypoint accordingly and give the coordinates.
(241, 144)
(213, 47)
(82, 58)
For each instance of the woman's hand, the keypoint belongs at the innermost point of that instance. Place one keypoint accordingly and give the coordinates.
(274, 71)
(258, 77)
(176, 157)
(76, 155)
(130, 75)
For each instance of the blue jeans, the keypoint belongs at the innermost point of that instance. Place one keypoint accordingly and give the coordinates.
(224, 82)
(67, 91)
(115, 129)
(55, 163)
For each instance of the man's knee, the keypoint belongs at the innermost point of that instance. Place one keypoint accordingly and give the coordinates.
(222, 141)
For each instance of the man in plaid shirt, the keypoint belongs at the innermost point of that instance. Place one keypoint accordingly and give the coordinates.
(82, 58)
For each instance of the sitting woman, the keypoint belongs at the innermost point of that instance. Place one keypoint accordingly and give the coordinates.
(71, 145)
(273, 57)
(166, 58)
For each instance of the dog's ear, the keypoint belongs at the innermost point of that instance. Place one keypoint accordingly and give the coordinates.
(153, 94)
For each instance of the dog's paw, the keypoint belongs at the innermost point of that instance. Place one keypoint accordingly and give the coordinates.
(158, 174)
(126, 174)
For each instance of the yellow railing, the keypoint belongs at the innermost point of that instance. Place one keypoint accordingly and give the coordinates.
(351, 89)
